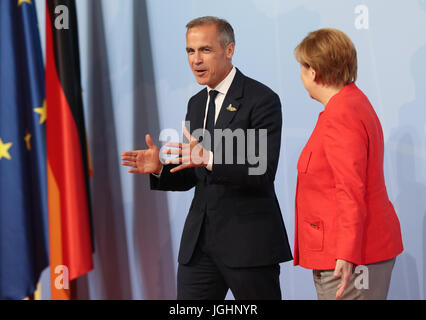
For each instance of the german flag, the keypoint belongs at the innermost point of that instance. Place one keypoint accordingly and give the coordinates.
(70, 236)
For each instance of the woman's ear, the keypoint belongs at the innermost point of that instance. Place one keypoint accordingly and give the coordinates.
(312, 73)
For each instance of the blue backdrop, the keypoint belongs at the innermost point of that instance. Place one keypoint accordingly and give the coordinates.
(136, 80)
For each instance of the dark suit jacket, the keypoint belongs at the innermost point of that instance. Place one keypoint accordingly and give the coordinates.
(243, 211)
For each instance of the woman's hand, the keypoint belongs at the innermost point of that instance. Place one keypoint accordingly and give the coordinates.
(343, 269)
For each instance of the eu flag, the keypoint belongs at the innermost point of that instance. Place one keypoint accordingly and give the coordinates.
(23, 191)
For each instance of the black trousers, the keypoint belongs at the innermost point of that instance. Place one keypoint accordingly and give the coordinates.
(205, 277)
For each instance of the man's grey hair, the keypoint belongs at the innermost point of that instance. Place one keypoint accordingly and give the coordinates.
(224, 29)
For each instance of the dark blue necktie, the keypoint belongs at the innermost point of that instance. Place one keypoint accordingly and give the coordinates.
(211, 117)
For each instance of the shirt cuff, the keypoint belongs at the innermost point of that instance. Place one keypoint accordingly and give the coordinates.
(210, 163)
(158, 175)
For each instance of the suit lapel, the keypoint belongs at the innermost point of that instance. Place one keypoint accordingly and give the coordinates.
(232, 102)
(197, 120)
(228, 110)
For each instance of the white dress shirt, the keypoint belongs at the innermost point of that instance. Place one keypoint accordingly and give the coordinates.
(222, 88)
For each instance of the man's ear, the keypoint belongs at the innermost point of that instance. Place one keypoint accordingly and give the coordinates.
(229, 50)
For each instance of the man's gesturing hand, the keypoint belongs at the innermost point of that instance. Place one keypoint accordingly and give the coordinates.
(190, 154)
(143, 161)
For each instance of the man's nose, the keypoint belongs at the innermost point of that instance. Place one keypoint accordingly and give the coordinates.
(198, 58)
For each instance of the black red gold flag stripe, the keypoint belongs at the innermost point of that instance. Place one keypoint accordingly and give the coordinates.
(70, 229)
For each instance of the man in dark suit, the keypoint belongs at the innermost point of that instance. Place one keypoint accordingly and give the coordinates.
(234, 236)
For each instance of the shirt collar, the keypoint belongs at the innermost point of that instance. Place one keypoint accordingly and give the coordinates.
(224, 86)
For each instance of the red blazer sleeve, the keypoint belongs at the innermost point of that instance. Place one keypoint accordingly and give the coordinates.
(346, 148)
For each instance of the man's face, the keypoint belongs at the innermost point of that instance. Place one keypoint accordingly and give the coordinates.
(209, 61)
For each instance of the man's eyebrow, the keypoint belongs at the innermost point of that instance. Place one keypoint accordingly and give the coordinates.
(188, 49)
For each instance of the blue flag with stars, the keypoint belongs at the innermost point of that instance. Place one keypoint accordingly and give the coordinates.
(23, 185)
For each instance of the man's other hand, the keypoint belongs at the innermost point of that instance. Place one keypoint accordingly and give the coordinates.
(143, 161)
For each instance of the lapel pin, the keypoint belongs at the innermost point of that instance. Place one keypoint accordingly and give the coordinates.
(231, 108)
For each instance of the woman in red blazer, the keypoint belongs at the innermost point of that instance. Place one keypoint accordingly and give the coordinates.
(343, 214)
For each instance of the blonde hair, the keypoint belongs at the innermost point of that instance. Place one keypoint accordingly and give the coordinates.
(331, 54)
